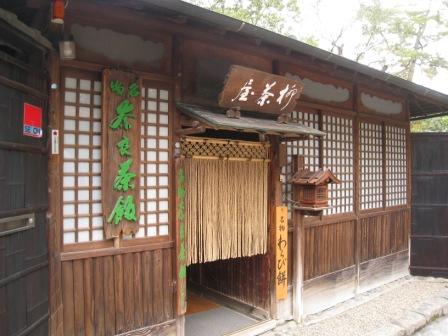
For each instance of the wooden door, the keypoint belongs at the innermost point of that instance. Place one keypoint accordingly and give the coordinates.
(23, 186)
(429, 237)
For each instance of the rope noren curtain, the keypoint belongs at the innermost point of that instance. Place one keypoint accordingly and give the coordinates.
(226, 208)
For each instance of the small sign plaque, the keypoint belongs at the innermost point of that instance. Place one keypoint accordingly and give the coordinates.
(32, 121)
(281, 258)
(55, 142)
(253, 90)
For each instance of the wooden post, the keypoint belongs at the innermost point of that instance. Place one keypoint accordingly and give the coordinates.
(275, 198)
(179, 285)
(357, 197)
(356, 185)
(54, 211)
(298, 248)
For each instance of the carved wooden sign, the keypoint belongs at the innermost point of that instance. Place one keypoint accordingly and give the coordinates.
(253, 90)
(281, 255)
(120, 153)
(181, 252)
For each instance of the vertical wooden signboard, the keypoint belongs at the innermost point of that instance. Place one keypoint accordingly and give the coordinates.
(121, 152)
(281, 242)
(181, 252)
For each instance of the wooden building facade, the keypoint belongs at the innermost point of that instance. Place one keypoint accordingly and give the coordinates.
(129, 272)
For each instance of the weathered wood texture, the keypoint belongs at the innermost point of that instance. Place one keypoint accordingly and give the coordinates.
(376, 272)
(384, 234)
(112, 160)
(54, 210)
(116, 294)
(254, 90)
(429, 240)
(23, 190)
(243, 279)
(329, 248)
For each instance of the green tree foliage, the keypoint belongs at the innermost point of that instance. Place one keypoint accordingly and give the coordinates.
(268, 14)
(399, 41)
(438, 124)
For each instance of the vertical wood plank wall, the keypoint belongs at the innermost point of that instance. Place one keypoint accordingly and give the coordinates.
(112, 294)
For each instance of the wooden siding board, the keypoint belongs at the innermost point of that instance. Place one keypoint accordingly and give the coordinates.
(128, 292)
(68, 299)
(99, 296)
(147, 270)
(138, 290)
(158, 286)
(167, 288)
(89, 302)
(109, 295)
(328, 248)
(78, 289)
(119, 294)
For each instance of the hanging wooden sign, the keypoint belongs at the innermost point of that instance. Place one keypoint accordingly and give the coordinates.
(121, 152)
(281, 256)
(254, 90)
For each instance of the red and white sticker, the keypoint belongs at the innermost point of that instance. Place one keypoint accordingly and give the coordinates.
(32, 121)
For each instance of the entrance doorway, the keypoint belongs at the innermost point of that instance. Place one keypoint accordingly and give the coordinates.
(226, 222)
(227, 296)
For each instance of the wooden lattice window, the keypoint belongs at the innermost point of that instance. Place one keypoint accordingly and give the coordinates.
(396, 169)
(371, 165)
(154, 162)
(309, 149)
(81, 153)
(338, 157)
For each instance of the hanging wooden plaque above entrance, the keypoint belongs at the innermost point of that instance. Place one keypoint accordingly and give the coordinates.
(254, 90)
(121, 152)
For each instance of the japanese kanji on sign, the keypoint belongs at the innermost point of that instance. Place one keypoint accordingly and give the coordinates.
(121, 156)
(253, 90)
(281, 256)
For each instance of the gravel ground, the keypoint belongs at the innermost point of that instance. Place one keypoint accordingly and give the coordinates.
(368, 316)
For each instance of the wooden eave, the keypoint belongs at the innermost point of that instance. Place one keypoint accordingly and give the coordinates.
(212, 118)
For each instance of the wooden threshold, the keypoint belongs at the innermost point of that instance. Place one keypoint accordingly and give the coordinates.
(255, 329)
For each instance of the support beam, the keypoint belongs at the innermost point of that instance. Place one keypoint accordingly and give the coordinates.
(298, 248)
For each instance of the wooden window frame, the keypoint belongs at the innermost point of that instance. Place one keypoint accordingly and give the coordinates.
(84, 249)
(360, 194)
(358, 117)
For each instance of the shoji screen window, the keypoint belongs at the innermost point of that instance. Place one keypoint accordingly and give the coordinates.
(309, 149)
(371, 162)
(396, 166)
(338, 157)
(155, 165)
(81, 153)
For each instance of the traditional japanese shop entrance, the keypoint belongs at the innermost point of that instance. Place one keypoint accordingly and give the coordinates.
(226, 183)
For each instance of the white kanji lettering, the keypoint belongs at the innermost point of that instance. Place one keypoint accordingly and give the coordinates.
(244, 91)
(266, 94)
(287, 95)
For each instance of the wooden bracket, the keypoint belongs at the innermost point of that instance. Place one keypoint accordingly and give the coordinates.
(284, 118)
(191, 130)
(233, 113)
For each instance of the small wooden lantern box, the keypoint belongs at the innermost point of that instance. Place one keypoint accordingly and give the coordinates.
(313, 187)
